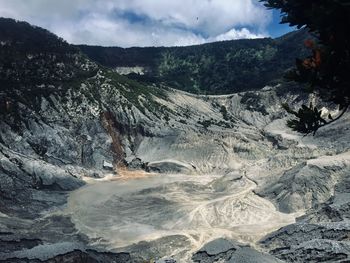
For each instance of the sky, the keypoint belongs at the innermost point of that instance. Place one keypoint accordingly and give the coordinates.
(127, 23)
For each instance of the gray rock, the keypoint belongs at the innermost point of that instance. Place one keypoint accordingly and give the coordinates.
(136, 164)
(107, 166)
(218, 246)
(322, 234)
(169, 166)
(222, 250)
(308, 183)
(86, 256)
(50, 140)
(250, 255)
(170, 260)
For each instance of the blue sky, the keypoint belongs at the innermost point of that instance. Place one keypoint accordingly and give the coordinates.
(128, 23)
(275, 29)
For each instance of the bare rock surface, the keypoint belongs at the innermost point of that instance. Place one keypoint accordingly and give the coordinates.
(226, 164)
(222, 250)
(322, 234)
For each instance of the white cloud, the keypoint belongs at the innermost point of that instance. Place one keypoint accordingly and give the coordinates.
(143, 22)
(237, 34)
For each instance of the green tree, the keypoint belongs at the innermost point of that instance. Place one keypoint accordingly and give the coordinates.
(326, 71)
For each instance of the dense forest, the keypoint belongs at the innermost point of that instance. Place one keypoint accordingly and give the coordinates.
(35, 62)
(214, 68)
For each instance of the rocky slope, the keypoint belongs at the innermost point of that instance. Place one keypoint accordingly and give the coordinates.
(65, 121)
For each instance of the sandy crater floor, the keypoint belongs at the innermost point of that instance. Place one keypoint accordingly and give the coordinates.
(179, 212)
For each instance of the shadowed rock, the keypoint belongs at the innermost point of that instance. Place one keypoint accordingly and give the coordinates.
(222, 250)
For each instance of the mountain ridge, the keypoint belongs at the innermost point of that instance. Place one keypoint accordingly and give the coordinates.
(211, 68)
(223, 162)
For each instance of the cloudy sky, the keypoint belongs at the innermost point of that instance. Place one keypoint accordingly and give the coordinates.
(128, 23)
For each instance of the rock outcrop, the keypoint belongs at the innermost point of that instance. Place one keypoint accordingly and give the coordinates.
(322, 234)
(222, 250)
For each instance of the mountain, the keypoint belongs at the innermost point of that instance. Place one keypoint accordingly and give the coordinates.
(215, 68)
(98, 167)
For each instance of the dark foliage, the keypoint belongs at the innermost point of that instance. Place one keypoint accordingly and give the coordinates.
(215, 68)
(326, 70)
(35, 63)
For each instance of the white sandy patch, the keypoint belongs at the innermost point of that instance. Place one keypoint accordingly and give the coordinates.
(124, 212)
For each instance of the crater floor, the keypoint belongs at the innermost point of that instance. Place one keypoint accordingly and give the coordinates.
(177, 213)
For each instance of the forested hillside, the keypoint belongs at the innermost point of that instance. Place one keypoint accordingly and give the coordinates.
(214, 68)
